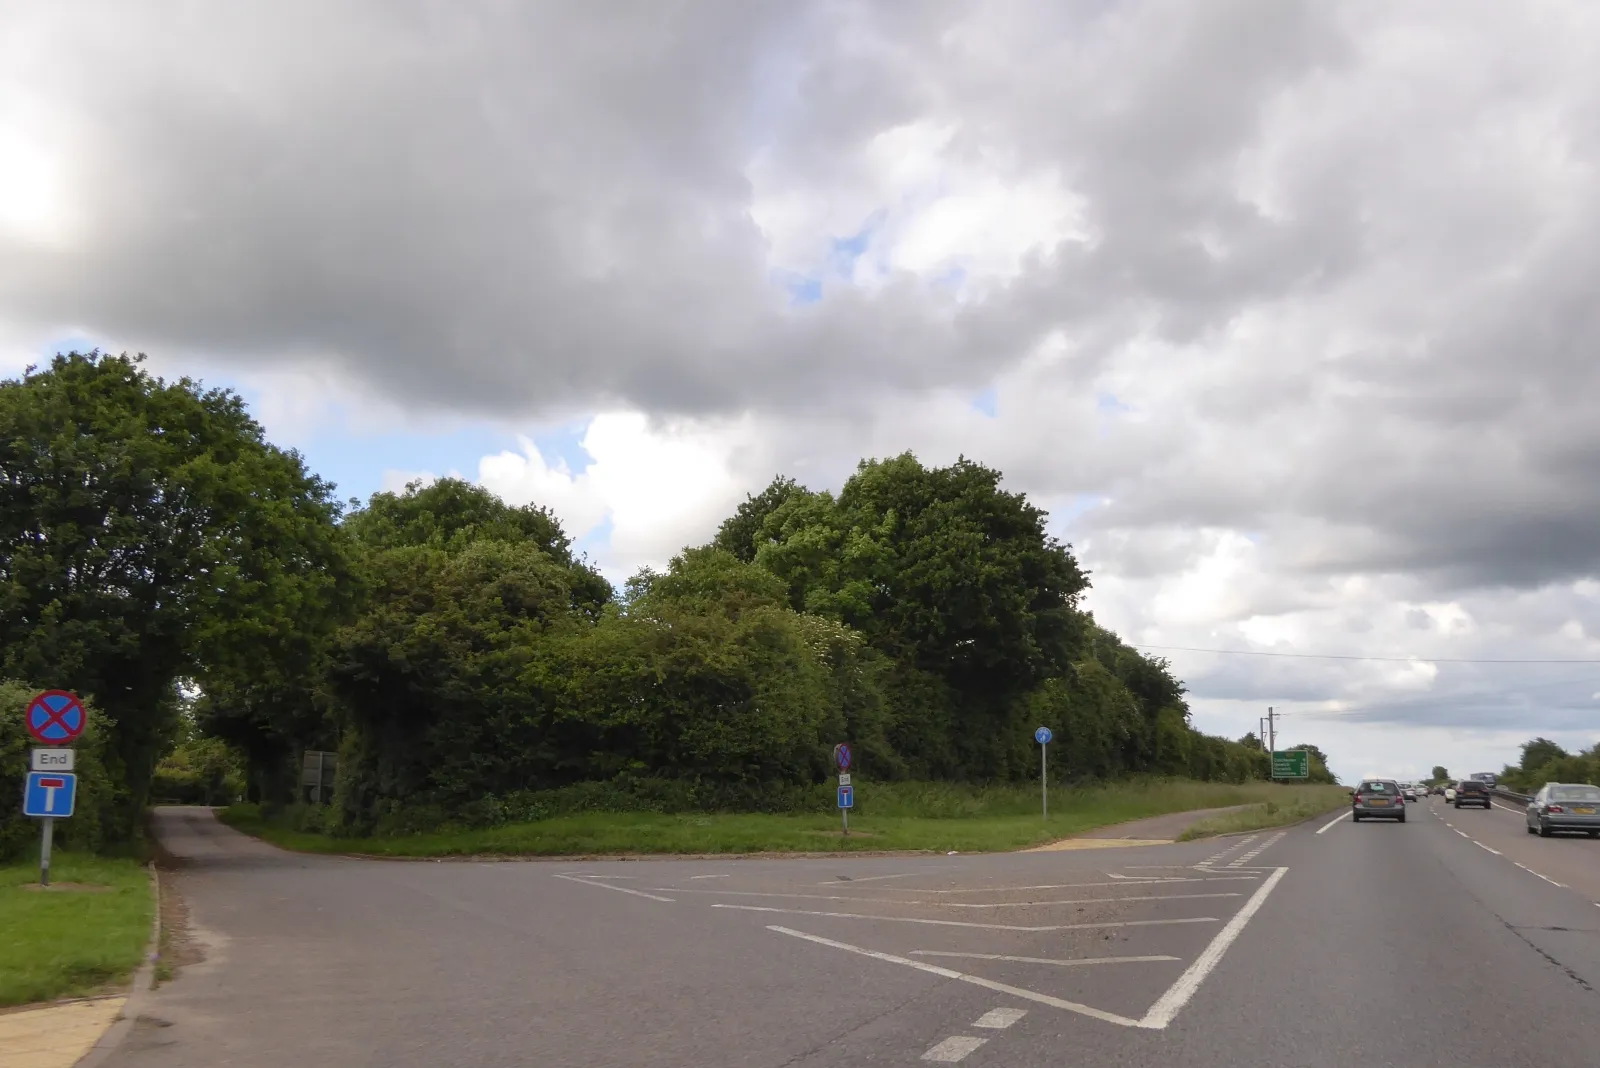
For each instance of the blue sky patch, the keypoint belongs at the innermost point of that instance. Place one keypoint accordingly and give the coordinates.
(987, 402)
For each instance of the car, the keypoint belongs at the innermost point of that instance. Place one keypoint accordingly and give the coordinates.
(1408, 790)
(1377, 798)
(1449, 794)
(1471, 792)
(1561, 806)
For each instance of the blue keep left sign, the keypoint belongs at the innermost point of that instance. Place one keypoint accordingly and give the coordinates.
(49, 793)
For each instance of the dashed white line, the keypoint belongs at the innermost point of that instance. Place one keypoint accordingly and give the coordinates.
(867, 878)
(1073, 901)
(1217, 878)
(1178, 995)
(1330, 823)
(608, 886)
(963, 923)
(953, 1049)
(1067, 962)
(975, 980)
(722, 876)
(1244, 858)
(999, 1019)
(1480, 845)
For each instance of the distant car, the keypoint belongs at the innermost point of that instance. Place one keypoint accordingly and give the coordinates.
(1449, 794)
(1565, 807)
(1408, 791)
(1471, 792)
(1379, 798)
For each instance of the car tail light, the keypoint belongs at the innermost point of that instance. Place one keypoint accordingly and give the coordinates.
(1554, 808)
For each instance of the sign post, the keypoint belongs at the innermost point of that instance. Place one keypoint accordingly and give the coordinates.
(847, 791)
(1043, 736)
(55, 718)
(1291, 764)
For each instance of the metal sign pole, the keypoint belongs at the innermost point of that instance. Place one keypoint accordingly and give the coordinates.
(844, 814)
(1044, 784)
(46, 834)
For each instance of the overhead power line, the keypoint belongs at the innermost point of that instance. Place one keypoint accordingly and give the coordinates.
(1340, 656)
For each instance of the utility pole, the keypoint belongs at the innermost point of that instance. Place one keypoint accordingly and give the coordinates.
(1272, 739)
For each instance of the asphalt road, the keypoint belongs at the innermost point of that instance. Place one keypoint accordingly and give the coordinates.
(1412, 944)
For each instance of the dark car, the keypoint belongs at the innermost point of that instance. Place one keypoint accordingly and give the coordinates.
(1471, 792)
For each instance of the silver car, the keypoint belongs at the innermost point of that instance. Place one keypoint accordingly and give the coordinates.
(1565, 807)
(1378, 798)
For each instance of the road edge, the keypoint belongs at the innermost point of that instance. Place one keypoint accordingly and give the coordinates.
(143, 987)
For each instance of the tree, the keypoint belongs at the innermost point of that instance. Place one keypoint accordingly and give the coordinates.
(743, 533)
(1441, 773)
(1539, 752)
(149, 532)
(1250, 741)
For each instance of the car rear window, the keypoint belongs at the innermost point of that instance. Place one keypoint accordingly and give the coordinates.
(1470, 786)
(1373, 788)
(1575, 793)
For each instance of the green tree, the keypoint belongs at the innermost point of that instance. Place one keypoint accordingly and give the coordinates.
(1441, 773)
(744, 532)
(148, 532)
(1539, 752)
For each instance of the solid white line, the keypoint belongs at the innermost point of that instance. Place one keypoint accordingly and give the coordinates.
(1336, 819)
(866, 878)
(1073, 886)
(1167, 1007)
(1514, 811)
(963, 923)
(1069, 962)
(1480, 845)
(805, 897)
(722, 876)
(608, 886)
(999, 1019)
(975, 980)
(953, 1049)
(592, 875)
(1072, 901)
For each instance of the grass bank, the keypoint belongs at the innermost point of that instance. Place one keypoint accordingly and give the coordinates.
(1307, 802)
(85, 933)
(936, 817)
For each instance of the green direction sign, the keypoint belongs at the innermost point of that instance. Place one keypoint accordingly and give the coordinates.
(1291, 764)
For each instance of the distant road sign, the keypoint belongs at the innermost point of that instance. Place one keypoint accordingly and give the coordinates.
(1043, 736)
(844, 778)
(841, 756)
(847, 797)
(49, 793)
(52, 759)
(56, 717)
(1291, 764)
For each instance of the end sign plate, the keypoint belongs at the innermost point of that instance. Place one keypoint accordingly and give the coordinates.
(52, 759)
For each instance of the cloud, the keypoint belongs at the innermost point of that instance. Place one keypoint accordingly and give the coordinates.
(1284, 308)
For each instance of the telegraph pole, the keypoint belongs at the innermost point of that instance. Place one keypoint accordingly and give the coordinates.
(1272, 739)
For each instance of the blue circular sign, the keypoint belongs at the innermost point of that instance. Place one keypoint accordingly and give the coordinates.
(841, 755)
(56, 717)
(1043, 736)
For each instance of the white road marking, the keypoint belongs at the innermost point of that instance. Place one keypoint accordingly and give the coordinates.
(593, 875)
(1169, 1004)
(999, 1019)
(608, 886)
(975, 980)
(724, 875)
(866, 878)
(1513, 811)
(1336, 819)
(1243, 858)
(803, 897)
(963, 923)
(1462, 833)
(1219, 878)
(1480, 845)
(1546, 878)
(1071, 901)
(1068, 962)
(953, 1049)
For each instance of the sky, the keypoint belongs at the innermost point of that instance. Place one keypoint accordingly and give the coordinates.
(1285, 310)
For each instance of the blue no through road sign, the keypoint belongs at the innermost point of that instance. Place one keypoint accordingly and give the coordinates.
(847, 797)
(1043, 736)
(49, 793)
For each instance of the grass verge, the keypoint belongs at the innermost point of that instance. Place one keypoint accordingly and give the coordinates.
(892, 816)
(67, 942)
(1308, 802)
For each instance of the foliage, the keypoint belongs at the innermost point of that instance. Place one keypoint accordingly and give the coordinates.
(95, 816)
(1441, 773)
(148, 532)
(1544, 761)
(199, 771)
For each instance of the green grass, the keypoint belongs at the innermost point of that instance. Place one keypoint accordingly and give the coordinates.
(893, 816)
(1310, 801)
(63, 943)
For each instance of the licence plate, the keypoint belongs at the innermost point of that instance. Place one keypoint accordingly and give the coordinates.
(1586, 811)
(1378, 801)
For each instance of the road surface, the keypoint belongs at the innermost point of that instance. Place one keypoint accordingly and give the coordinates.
(1380, 944)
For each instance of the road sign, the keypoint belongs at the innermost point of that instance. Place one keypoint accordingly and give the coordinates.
(1291, 764)
(52, 759)
(847, 797)
(844, 778)
(56, 717)
(841, 756)
(1043, 736)
(49, 793)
